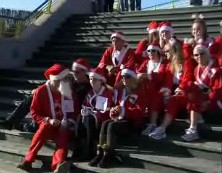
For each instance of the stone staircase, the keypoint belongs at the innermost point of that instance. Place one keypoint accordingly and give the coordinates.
(87, 36)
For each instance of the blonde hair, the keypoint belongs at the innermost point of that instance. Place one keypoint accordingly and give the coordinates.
(176, 58)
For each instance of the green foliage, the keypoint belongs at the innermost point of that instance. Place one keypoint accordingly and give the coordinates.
(19, 27)
(2, 27)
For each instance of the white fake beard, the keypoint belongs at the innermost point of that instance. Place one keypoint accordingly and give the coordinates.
(65, 89)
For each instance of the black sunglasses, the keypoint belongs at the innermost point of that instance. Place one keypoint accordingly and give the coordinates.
(152, 50)
(126, 76)
(200, 54)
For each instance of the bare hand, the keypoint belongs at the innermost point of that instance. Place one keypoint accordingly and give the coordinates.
(54, 122)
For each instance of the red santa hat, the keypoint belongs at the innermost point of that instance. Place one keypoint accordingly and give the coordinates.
(98, 73)
(118, 34)
(56, 72)
(165, 26)
(152, 27)
(154, 46)
(81, 63)
(128, 71)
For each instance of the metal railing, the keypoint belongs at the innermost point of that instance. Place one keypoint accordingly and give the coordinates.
(13, 26)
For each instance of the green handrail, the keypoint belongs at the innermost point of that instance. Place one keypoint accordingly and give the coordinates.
(155, 7)
(21, 23)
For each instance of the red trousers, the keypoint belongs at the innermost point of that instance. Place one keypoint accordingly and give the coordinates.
(47, 132)
(175, 105)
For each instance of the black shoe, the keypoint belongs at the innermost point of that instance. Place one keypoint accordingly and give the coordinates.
(97, 158)
(25, 166)
(109, 161)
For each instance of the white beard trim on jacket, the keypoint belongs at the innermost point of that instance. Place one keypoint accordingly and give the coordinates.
(65, 89)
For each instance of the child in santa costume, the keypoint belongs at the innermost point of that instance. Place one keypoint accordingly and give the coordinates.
(179, 72)
(95, 110)
(153, 35)
(204, 94)
(126, 115)
(151, 74)
(119, 54)
(54, 108)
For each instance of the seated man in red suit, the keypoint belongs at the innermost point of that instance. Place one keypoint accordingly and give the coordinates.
(54, 108)
(119, 54)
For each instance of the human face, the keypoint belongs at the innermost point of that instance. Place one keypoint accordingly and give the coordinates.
(197, 31)
(201, 57)
(79, 74)
(153, 54)
(118, 43)
(165, 35)
(168, 52)
(95, 83)
(126, 79)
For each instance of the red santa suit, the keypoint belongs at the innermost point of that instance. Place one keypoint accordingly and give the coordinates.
(156, 74)
(140, 52)
(125, 57)
(133, 105)
(207, 87)
(177, 83)
(48, 104)
(100, 104)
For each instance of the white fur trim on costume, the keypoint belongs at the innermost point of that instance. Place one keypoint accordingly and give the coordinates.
(151, 47)
(118, 36)
(219, 104)
(97, 76)
(129, 72)
(151, 30)
(60, 76)
(179, 90)
(166, 28)
(79, 66)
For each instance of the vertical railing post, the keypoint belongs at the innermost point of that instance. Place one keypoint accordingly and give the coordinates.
(48, 9)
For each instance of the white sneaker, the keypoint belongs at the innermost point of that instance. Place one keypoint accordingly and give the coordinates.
(190, 135)
(158, 133)
(150, 127)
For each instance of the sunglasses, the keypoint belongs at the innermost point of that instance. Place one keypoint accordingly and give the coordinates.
(126, 77)
(152, 50)
(166, 51)
(200, 54)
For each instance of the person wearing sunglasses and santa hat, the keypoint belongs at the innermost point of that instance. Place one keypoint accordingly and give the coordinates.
(54, 108)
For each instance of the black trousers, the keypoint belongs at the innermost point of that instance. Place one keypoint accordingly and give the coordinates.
(108, 6)
(87, 135)
(113, 130)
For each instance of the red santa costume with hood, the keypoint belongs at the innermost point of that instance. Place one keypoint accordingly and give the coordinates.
(206, 87)
(156, 72)
(125, 57)
(49, 104)
(98, 103)
(133, 104)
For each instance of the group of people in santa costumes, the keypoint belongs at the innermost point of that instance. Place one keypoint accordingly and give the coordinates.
(164, 73)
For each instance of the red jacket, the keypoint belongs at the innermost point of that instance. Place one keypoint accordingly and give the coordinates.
(40, 107)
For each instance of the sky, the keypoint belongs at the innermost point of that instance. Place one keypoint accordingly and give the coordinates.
(30, 5)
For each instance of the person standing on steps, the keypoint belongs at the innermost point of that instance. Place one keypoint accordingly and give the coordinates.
(54, 108)
(108, 5)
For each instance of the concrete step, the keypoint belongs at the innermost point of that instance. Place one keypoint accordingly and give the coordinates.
(48, 62)
(185, 10)
(11, 167)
